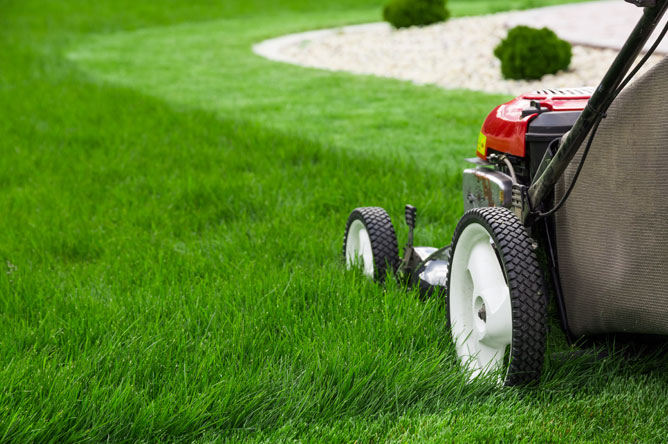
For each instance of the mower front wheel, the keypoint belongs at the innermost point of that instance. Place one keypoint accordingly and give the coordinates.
(497, 309)
(370, 242)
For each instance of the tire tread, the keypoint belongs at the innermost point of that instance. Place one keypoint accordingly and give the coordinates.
(382, 236)
(525, 281)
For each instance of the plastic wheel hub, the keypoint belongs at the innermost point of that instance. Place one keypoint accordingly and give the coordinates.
(479, 302)
(358, 248)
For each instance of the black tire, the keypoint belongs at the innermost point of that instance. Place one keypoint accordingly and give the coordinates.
(382, 237)
(523, 276)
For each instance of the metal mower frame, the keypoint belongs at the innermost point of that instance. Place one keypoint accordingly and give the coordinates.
(530, 200)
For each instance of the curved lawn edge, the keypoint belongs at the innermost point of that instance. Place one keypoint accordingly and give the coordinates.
(273, 49)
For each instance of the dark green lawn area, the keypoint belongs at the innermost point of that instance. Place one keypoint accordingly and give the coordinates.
(171, 217)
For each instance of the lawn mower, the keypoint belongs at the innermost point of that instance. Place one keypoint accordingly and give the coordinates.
(603, 245)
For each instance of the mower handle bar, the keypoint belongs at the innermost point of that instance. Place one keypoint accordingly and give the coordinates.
(596, 108)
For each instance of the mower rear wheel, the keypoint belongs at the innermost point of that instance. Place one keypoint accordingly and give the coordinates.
(370, 242)
(497, 309)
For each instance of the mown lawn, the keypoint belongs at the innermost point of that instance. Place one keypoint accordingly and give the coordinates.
(172, 208)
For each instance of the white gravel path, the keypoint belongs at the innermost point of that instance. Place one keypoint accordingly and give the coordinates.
(454, 54)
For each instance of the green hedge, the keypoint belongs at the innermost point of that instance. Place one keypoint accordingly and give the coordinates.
(405, 13)
(530, 53)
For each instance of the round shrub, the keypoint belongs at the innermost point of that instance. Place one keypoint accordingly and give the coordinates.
(530, 53)
(405, 13)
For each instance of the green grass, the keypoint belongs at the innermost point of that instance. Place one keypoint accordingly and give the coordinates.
(172, 213)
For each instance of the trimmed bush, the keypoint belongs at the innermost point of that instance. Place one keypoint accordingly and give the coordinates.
(530, 53)
(405, 13)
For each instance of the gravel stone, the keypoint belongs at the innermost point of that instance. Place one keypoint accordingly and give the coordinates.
(456, 54)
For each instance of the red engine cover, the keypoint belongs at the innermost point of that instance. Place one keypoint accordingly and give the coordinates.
(505, 129)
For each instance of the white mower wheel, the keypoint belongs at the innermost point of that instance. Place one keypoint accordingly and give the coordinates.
(370, 242)
(497, 309)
